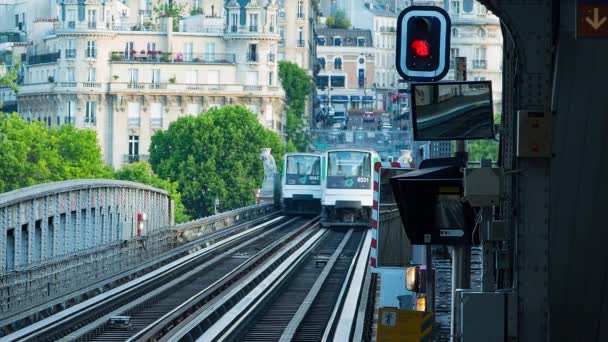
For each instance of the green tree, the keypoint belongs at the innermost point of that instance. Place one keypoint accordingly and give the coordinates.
(8, 80)
(484, 149)
(339, 21)
(141, 172)
(172, 9)
(34, 154)
(214, 154)
(298, 86)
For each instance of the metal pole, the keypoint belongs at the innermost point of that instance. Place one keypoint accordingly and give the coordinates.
(461, 255)
(430, 283)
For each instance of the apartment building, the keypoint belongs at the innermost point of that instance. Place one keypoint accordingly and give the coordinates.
(128, 70)
(347, 62)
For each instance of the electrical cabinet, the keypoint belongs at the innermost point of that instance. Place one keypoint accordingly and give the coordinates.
(534, 134)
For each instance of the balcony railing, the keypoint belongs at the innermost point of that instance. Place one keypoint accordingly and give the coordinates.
(156, 122)
(253, 28)
(252, 57)
(271, 29)
(70, 53)
(271, 57)
(134, 122)
(300, 15)
(301, 43)
(388, 29)
(92, 25)
(133, 158)
(90, 53)
(145, 13)
(44, 58)
(480, 64)
(234, 29)
(157, 57)
(145, 27)
(188, 88)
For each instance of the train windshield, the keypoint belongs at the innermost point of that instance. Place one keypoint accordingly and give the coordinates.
(303, 170)
(349, 170)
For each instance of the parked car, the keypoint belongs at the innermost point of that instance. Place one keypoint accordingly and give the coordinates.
(341, 118)
(369, 116)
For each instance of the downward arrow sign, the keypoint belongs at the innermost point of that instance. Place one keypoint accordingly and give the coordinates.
(596, 23)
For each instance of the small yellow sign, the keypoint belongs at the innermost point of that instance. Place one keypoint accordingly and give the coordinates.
(396, 325)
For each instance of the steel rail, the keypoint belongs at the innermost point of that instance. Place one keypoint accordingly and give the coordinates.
(162, 325)
(345, 327)
(210, 319)
(69, 316)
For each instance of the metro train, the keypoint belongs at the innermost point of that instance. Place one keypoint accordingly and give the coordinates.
(301, 183)
(347, 187)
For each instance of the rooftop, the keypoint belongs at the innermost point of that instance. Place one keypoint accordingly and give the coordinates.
(349, 36)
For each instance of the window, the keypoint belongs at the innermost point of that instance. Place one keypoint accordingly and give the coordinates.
(188, 49)
(270, 78)
(151, 46)
(282, 35)
(337, 41)
(454, 52)
(70, 75)
(71, 18)
(337, 81)
(454, 32)
(134, 75)
(322, 81)
(92, 18)
(481, 9)
(252, 53)
(89, 114)
(455, 7)
(91, 74)
(129, 50)
(321, 41)
(70, 52)
(480, 58)
(91, 49)
(253, 23)
(133, 145)
(300, 9)
(300, 36)
(273, 21)
(234, 22)
(482, 33)
(69, 118)
(360, 41)
(196, 4)
(133, 114)
(155, 76)
(338, 63)
(322, 62)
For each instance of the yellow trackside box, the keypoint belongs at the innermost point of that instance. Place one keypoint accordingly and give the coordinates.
(396, 325)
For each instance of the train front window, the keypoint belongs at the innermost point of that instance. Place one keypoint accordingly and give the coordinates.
(349, 170)
(303, 170)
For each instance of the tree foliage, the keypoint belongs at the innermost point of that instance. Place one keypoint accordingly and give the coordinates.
(214, 154)
(298, 86)
(8, 80)
(141, 172)
(34, 154)
(484, 149)
(339, 21)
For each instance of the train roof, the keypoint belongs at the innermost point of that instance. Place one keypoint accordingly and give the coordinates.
(356, 149)
(316, 154)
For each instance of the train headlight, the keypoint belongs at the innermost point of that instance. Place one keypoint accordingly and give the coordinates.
(421, 304)
(411, 279)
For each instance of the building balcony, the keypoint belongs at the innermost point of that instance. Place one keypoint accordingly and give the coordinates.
(158, 57)
(139, 27)
(145, 13)
(92, 25)
(41, 88)
(253, 28)
(192, 88)
(234, 29)
(70, 53)
(44, 58)
(133, 158)
(134, 122)
(480, 64)
(301, 43)
(300, 16)
(156, 122)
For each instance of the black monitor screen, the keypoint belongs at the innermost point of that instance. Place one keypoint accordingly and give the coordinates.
(452, 111)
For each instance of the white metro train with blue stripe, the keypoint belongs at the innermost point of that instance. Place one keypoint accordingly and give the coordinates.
(347, 187)
(301, 193)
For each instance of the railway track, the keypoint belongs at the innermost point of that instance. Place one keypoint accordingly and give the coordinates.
(309, 297)
(155, 302)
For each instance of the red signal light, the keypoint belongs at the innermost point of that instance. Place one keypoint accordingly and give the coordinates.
(421, 48)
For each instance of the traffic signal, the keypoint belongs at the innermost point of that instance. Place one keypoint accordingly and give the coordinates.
(423, 43)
